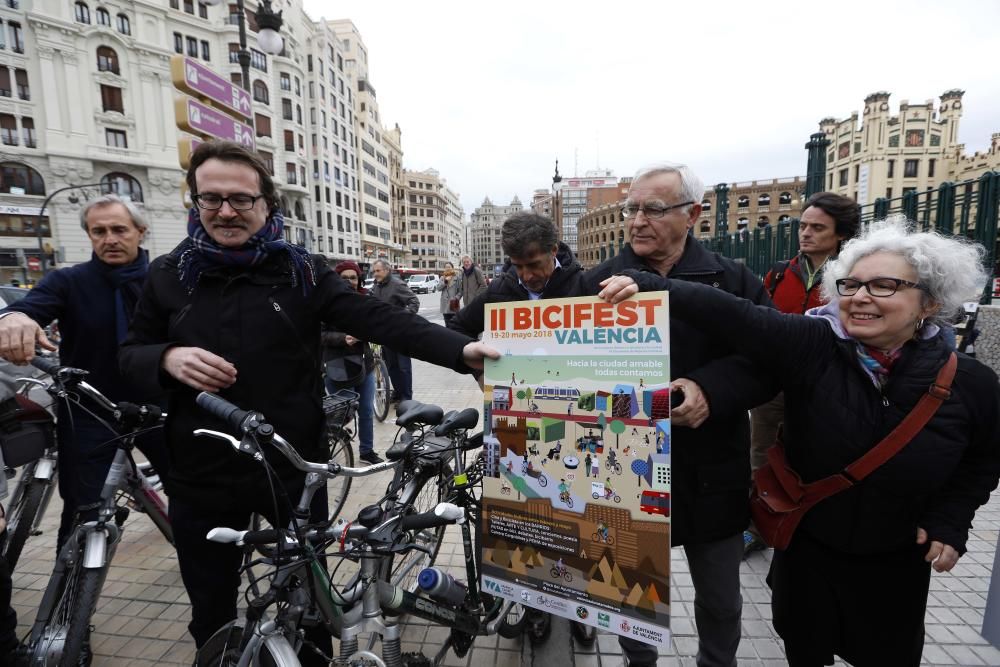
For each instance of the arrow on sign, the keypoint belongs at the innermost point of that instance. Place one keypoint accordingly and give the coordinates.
(191, 76)
(197, 118)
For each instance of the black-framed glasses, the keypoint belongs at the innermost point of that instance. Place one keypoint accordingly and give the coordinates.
(238, 202)
(651, 211)
(880, 286)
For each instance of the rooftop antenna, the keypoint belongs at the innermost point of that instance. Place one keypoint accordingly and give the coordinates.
(576, 172)
(597, 134)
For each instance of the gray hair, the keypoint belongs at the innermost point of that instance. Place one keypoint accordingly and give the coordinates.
(950, 268)
(692, 188)
(383, 263)
(107, 200)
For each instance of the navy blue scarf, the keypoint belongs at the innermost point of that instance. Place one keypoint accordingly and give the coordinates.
(127, 283)
(201, 252)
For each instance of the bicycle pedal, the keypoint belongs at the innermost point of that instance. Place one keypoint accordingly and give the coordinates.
(415, 659)
(461, 642)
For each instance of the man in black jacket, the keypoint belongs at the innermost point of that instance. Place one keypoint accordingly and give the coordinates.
(539, 267)
(710, 442)
(391, 289)
(236, 310)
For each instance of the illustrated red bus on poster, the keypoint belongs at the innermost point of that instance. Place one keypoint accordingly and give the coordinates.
(576, 503)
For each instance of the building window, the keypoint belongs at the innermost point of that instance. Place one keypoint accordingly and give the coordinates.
(706, 206)
(21, 79)
(107, 60)
(743, 201)
(892, 168)
(290, 173)
(16, 37)
(28, 132)
(706, 227)
(103, 17)
(115, 138)
(122, 185)
(111, 99)
(785, 198)
(8, 129)
(179, 43)
(268, 160)
(263, 125)
(5, 90)
(17, 175)
(843, 177)
(930, 168)
(189, 6)
(82, 12)
(289, 140)
(205, 54)
(203, 10)
(192, 47)
(910, 168)
(286, 81)
(258, 60)
(764, 200)
(260, 93)
(286, 109)
(234, 52)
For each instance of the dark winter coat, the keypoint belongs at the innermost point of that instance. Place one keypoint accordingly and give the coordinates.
(710, 465)
(472, 284)
(395, 291)
(565, 281)
(261, 322)
(835, 413)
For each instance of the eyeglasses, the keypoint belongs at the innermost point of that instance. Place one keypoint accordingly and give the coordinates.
(876, 286)
(213, 202)
(652, 212)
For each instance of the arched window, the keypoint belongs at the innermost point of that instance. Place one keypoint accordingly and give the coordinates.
(103, 17)
(17, 175)
(784, 218)
(742, 223)
(785, 198)
(122, 185)
(299, 213)
(706, 206)
(706, 227)
(82, 12)
(743, 201)
(764, 200)
(260, 92)
(107, 60)
(763, 221)
(124, 25)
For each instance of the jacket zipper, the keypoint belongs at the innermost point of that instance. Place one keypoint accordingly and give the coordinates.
(281, 313)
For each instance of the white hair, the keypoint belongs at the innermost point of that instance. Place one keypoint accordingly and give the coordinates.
(951, 268)
(107, 200)
(692, 189)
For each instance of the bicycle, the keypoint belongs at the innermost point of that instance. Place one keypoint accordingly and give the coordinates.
(340, 409)
(61, 629)
(597, 537)
(561, 574)
(383, 385)
(300, 588)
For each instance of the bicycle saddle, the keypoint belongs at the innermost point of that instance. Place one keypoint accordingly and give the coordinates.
(454, 421)
(418, 413)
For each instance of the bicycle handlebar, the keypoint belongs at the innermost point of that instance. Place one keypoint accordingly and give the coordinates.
(45, 364)
(223, 409)
(125, 413)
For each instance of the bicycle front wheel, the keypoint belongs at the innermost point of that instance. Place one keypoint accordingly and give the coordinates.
(225, 648)
(338, 487)
(383, 387)
(21, 517)
(77, 607)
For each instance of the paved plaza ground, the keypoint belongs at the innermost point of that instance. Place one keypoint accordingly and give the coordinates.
(142, 617)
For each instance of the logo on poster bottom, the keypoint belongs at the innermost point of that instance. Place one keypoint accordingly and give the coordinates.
(526, 596)
(581, 612)
(603, 620)
(625, 626)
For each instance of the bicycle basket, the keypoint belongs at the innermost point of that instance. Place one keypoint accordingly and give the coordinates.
(340, 407)
(26, 430)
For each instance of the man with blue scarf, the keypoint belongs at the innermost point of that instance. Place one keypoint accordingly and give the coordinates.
(237, 310)
(93, 302)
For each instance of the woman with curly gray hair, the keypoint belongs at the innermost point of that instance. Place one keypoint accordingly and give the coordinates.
(853, 581)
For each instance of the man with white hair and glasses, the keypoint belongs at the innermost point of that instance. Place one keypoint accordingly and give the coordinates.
(710, 440)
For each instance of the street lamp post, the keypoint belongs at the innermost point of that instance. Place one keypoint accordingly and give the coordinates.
(41, 214)
(268, 25)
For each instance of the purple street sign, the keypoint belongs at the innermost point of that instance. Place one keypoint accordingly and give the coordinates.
(195, 78)
(197, 118)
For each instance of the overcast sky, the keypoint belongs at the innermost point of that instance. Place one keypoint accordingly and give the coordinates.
(491, 94)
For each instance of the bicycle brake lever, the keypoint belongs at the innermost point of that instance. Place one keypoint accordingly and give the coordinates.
(245, 446)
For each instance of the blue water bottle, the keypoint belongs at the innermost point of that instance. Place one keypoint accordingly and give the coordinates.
(441, 586)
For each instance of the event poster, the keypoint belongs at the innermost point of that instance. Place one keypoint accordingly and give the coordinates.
(576, 503)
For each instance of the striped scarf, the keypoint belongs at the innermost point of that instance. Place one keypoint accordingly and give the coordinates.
(201, 252)
(879, 364)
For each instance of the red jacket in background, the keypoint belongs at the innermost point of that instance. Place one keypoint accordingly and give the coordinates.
(789, 290)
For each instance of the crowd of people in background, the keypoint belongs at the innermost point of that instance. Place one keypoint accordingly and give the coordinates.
(852, 330)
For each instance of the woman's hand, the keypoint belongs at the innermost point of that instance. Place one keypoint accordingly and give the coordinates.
(941, 556)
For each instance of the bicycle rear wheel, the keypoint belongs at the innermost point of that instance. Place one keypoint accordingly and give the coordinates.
(338, 487)
(21, 517)
(383, 388)
(423, 493)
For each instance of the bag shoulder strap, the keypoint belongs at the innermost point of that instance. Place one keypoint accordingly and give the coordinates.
(937, 393)
(777, 272)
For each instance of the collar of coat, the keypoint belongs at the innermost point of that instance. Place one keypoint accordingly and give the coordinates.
(695, 260)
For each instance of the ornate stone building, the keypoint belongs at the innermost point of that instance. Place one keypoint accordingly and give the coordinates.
(484, 233)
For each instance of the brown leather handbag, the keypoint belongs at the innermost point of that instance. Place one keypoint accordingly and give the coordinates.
(778, 497)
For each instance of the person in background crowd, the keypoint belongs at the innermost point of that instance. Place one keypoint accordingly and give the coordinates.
(450, 287)
(854, 580)
(795, 286)
(473, 282)
(392, 290)
(710, 442)
(93, 302)
(348, 364)
(236, 310)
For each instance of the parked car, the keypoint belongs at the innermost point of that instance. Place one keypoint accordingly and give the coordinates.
(369, 284)
(422, 283)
